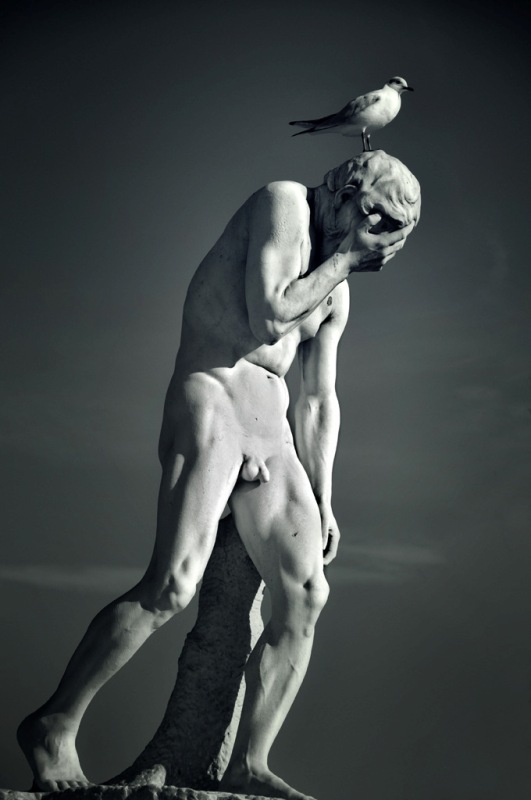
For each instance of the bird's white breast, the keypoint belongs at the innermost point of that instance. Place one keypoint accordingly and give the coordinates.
(383, 112)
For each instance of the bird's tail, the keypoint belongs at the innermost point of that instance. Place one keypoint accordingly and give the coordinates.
(309, 126)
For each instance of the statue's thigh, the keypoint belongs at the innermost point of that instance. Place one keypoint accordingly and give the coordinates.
(279, 522)
(196, 484)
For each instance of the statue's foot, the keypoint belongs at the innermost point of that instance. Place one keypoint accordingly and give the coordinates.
(49, 746)
(259, 782)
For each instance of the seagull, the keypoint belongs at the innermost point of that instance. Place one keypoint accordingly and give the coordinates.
(369, 111)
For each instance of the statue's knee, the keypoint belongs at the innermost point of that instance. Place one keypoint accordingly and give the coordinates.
(166, 597)
(317, 591)
(300, 610)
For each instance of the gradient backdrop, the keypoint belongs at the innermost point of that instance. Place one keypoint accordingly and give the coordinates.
(131, 131)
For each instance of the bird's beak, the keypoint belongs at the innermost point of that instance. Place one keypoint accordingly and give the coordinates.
(409, 88)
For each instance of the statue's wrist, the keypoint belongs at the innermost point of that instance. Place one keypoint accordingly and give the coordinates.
(348, 261)
(323, 500)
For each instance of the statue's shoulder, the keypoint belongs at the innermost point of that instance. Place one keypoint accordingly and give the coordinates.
(286, 190)
(288, 198)
(286, 187)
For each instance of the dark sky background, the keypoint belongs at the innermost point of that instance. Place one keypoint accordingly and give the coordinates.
(130, 133)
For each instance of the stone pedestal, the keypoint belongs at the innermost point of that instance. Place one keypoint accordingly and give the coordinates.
(128, 793)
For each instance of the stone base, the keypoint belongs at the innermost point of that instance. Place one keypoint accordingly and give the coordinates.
(100, 792)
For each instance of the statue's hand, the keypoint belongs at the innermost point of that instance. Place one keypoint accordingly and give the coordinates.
(330, 533)
(372, 241)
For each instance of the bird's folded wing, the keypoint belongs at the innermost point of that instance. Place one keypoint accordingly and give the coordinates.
(353, 108)
(323, 122)
(361, 103)
(303, 123)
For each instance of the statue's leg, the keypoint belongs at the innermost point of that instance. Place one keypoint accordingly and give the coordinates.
(279, 523)
(194, 740)
(194, 490)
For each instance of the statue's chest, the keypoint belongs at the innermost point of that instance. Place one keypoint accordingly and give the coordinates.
(308, 327)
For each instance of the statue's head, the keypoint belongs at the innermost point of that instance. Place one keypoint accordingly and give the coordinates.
(377, 184)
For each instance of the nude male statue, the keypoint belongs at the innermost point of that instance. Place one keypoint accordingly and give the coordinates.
(273, 284)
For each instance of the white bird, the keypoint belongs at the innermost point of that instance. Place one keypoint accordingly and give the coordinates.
(368, 112)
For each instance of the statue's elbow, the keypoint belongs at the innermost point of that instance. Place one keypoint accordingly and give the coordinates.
(267, 331)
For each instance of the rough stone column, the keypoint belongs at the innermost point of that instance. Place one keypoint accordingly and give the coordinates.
(193, 743)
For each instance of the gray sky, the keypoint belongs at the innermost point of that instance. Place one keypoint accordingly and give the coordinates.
(131, 132)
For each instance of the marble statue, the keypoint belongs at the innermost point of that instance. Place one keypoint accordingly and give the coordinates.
(273, 286)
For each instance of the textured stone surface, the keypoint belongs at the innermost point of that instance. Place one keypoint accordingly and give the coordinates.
(127, 793)
(193, 743)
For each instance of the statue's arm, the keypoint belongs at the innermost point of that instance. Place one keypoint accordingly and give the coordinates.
(278, 297)
(317, 414)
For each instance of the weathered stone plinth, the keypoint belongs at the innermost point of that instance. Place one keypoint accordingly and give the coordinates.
(127, 793)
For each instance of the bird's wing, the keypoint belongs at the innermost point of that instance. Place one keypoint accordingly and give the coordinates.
(323, 122)
(361, 103)
(302, 123)
(340, 117)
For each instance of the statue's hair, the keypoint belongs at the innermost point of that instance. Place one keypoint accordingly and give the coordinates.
(376, 171)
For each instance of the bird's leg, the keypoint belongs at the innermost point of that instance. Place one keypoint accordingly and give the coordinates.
(363, 141)
(368, 137)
